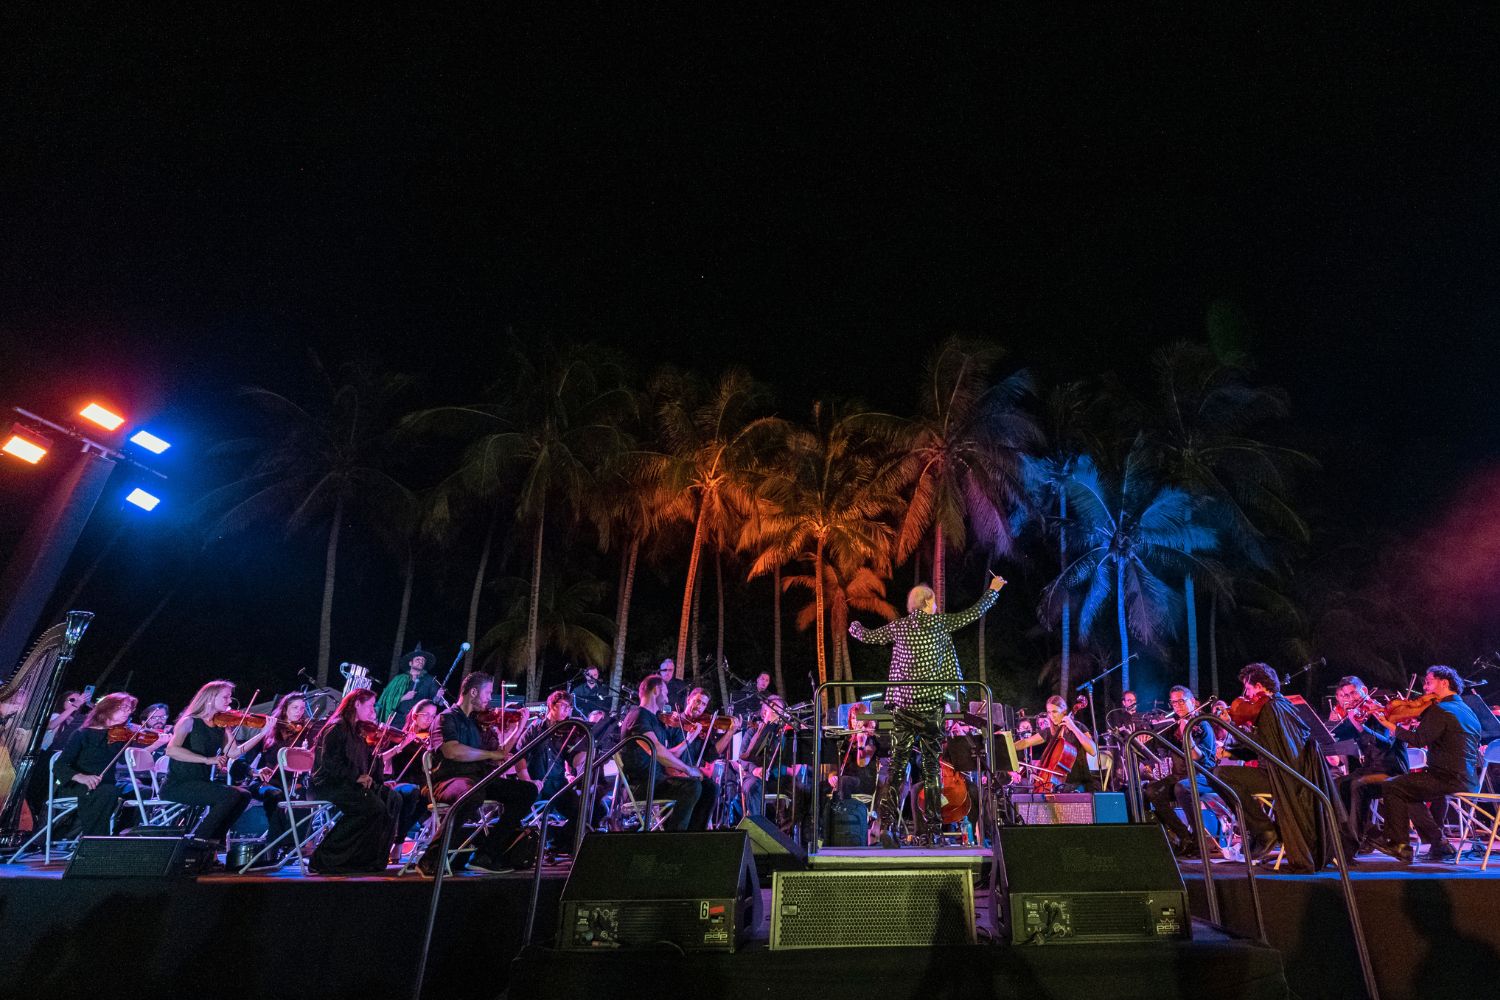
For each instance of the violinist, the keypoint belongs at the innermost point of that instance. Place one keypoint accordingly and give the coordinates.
(468, 752)
(81, 765)
(403, 762)
(1449, 730)
(1165, 794)
(1381, 755)
(922, 650)
(760, 764)
(697, 743)
(196, 747)
(1273, 722)
(684, 784)
(288, 720)
(1060, 725)
(404, 690)
(349, 773)
(554, 761)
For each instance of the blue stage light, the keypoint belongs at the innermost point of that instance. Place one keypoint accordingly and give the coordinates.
(142, 499)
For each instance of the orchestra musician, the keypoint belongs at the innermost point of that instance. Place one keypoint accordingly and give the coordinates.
(404, 765)
(287, 727)
(748, 701)
(676, 779)
(406, 689)
(677, 690)
(1449, 730)
(1299, 817)
(1059, 724)
(760, 764)
(590, 696)
(555, 761)
(1165, 794)
(196, 747)
(469, 750)
(349, 773)
(922, 650)
(696, 745)
(81, 764)
(1125, 718)
(1381, 756)
(857, 773)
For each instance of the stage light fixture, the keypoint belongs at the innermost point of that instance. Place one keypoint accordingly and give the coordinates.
(142, 499)
(150, 442)
(25, 444)
(101, 416)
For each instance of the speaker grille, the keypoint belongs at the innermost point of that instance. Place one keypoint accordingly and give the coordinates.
(871, 909)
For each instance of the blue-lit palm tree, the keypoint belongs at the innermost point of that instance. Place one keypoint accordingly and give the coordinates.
(1125, 536)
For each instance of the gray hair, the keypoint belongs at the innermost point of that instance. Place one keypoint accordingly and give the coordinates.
(919, 595)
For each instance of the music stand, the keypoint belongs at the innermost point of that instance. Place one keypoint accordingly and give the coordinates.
(1324, 739)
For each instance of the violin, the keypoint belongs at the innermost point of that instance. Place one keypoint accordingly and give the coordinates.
(718, 724)
(505, 718)
(1245, 712)
(375, 734)
(136, 736)
(238, 720)
(1399, 710)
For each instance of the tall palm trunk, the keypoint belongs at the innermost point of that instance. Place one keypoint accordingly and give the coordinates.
(135, 636)
(818, 608)
(687, 592)
(939, 584)
(695, 653)
(1213, 642)
(1124, 632)
(776, 630)
(533, 678)
(1064, 674)
(411, 572)
(720, 667)
(622, 618)
(840, 637)
(1190, 599)
(330, 567)
(484, 563)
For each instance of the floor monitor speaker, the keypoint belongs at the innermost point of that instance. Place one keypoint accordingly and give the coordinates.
(698, 891)
(1092, 884)
(139, 857)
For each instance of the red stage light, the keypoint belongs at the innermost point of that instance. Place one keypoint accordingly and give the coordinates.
(101, 416)
(27, 445)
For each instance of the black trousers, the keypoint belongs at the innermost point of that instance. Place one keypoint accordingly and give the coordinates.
(1406, 798)
(515, 797)
(695, 798)
(922, 732)
(270, 798)
(95, 808)
(225, 804)
(1357, 790)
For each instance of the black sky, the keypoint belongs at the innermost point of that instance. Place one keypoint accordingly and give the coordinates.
(190, 200)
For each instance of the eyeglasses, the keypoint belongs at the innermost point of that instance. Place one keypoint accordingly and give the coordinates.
(1175, 701)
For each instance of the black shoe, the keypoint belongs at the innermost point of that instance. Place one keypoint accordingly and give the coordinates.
(1440, 852)
(1262, 845)
(1401, 852)
(888, 840)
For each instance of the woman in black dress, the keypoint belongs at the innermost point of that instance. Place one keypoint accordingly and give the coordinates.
(198, 746)
(348, 773)
(80, 767)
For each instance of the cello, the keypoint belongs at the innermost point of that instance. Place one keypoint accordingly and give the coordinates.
(1060, 755)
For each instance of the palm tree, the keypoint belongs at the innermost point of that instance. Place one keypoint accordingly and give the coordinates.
(960, 457)
(627, 512)
(1200, 423)
(826, 501)
(1046, 476)
(710, 440)
(863, 590)
(549, 431)
(561, 620)
(316, 462)
(1127, 534)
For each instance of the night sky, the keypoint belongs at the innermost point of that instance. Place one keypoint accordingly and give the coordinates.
(191, 203)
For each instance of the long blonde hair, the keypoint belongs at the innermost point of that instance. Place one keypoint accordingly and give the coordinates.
(203, 698)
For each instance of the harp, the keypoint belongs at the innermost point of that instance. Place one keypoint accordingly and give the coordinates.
(25, 698)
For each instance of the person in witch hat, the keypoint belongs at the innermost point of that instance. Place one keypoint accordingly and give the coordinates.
(406, 689)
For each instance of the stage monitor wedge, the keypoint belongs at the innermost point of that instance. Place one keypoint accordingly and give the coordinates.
(139, 857)
(698, 891)
(1092, 884)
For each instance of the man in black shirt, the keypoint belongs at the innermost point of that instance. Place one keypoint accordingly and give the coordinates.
(748, 701)
(685, 785)
(467, 754)
(590, 696)
(1124, 719)
(677, 690)
(1165, 794)
(1450, 732)
(552, 762)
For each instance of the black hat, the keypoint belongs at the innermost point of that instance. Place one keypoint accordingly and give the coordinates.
(419, 651)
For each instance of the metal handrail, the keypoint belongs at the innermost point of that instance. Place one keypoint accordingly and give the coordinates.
(988, 827)
(448, 822)
(1133, 783)
(1330, 816)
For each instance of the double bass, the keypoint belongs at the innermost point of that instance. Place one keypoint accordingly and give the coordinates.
(1059, 757)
